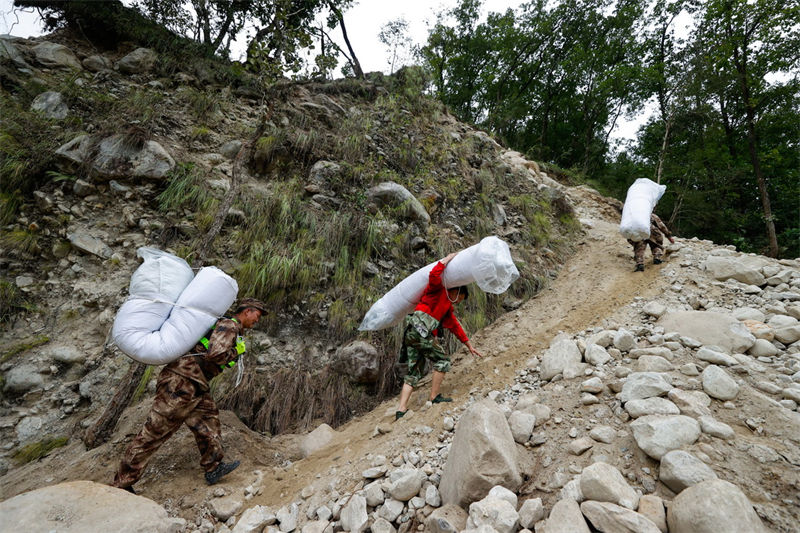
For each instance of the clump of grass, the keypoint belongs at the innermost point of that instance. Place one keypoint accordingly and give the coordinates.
(23, 346)
(21, 240)
(200, 133)
(202, 104)
(142, 385)
(37, 450)
(185, 190)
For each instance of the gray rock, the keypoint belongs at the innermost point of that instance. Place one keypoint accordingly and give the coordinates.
(139, 61)
(691, 403)
(390, 509)
(66, 354)
(224, 508)
(54, 55)
(596, 355)
(374, 494)
(658, 434)
(653, 363)
(91, 245)
(97, 63)
(718, 384)
(578, 446)
(380, 525)
(680, 469)
(566, 517)
(562, 357)
(432, 496)
(10, 51)
(405, 483)
(521, 425)
(613, 518)
(531, 512)
(711, 507)
(51, 104)
(317, 439)
(117, 157)
(231, 148)
(287, 517)
(604, 434)
(602, 482)
(652, 508)
(593, 385)
(641, 385)
(791, 393)
(82, 188)
(359, 360)
(788, 335)
(354, 514)
(763, 348)
(710, 328)
(449, 518)
(603, 338)
(746, 269)
(253, 520)
(654, 309)
(79, 506)
(715, 357)
(748, 313)
(29, 429)
(495, 513)
(395, 195)
(20, 379)
(651, 406)
(483, 454)
(711, 426)
(624, 341)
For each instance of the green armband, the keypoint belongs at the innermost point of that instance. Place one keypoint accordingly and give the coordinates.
(240, 346)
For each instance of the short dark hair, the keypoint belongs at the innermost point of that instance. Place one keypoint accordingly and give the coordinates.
(461, 290)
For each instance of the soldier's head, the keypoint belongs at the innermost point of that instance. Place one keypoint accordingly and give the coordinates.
(249, 311)
(458, 294)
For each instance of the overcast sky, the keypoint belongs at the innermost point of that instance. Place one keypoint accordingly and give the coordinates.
(364, 21)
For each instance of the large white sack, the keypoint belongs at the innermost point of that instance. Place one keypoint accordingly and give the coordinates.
(157, 332)
(162, 276)
(488, 264)
(642, 198)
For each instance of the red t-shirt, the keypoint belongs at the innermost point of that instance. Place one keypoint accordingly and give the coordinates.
(435, 303)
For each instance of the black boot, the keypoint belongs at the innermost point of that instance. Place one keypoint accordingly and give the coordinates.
(129, 489)
(400, 414)
(657, 261)
(440, 399)
(639, 268)
(221, 470)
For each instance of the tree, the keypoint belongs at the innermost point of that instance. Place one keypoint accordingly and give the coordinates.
(394, 36)
(748, 42)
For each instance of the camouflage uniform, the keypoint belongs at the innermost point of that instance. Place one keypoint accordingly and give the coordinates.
(418, 348)
(182, 396)
(658, 230)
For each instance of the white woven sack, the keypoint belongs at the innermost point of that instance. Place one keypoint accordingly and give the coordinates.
(640, 201)
(488, 264)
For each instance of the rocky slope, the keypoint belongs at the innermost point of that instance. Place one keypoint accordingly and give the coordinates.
(611, 401)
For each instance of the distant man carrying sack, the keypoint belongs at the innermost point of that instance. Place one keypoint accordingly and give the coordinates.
(658, 230)
(182, 396)
(435, 310)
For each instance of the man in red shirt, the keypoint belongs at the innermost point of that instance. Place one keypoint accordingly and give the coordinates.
(434, 310)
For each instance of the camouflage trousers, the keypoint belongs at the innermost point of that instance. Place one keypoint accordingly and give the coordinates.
(418, 349)
(656, 242)
(177, 401)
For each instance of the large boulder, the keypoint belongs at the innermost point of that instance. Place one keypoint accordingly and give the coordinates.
(117, 157)
(604, 483)
(713, 506)
(395, 195)
(680, 469)
(50, 104)
(710, 328)
(642, 385)
(317, 439)
(358, 360)
(498, 514)
(483, 454)
(8, 50)
(55, 55)
(610, 517)
(566, 517)
(659, 434)
(744, 268)
(22, 378)
(139, 61)
(79, 506)
(719, 384)
(562, 357)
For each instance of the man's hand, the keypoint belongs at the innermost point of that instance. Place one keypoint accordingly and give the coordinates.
(473, 351)
(449, 258)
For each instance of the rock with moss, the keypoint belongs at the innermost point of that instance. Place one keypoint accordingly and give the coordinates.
(395, 195)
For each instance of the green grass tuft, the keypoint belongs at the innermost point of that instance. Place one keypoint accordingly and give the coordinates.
(23, 346)
(37, 450)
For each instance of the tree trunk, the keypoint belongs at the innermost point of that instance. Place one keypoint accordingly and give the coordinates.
(101, 430)
(356, 64)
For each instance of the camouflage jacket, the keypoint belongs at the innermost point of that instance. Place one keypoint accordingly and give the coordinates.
(201, 365)
(656, 224)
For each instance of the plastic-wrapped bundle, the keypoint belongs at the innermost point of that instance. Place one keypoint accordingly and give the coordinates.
(642, 198)
(488, 264)
(169, 310)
